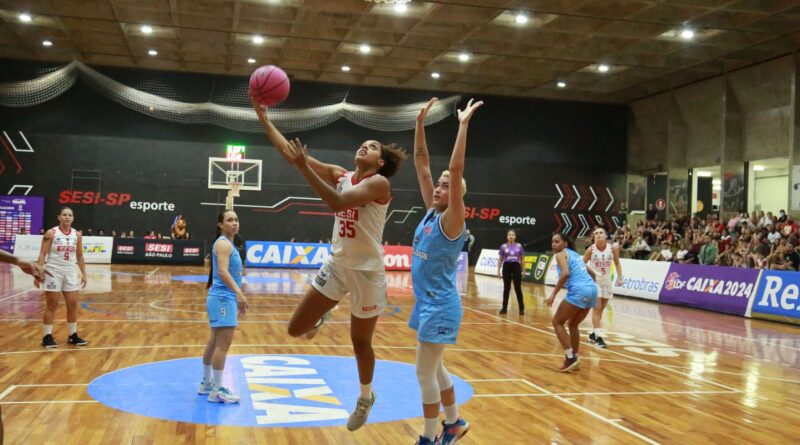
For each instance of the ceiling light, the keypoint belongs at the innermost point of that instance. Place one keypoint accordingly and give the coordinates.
(561, 84)
(716, 182)
(521, 19)
(464, 57)
(401, 8)
(603, 68)
(152, 52)
(47, 43)
(25, 18)
(258, 40)
(346, 68)
(703, 174)
(435, 75)
(759, 168)
(146, 29)
(364, 48)
(251, 60)
(687, 34)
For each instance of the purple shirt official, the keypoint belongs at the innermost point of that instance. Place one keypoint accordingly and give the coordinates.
(512, 253)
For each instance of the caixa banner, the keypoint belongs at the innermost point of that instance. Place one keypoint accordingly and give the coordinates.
(313, 255)
(718, 289)
(777, 297)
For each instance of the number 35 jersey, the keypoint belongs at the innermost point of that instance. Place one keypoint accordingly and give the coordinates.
(63, 250)
(357, 233)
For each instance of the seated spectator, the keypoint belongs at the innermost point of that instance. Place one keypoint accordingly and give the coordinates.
(766, 220)
(101, 232)
(124, 235)
(41, 231)
(782, 216)
(680, 255)
(131, 234)
(113, 233)
(773, 235)
(640, 248)
(151, 234)
(89, 232)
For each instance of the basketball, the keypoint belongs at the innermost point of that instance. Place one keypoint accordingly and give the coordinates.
(269, 85)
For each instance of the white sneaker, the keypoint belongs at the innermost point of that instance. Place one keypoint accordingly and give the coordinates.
(222, 395)
(205, 388)
(310, 334)
(359, 416)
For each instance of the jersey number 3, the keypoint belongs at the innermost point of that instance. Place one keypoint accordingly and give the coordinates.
(347, 229)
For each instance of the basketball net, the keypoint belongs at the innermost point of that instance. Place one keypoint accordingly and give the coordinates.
(233, 192)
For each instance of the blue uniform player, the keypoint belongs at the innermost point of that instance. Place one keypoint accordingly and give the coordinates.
(224, 304)
(437, 310)
(581, 297)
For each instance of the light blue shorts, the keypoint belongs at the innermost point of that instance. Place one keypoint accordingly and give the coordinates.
(436, 323)
(222, 311)
(583, 297)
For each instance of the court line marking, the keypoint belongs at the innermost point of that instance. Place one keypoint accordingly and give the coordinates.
(631, 393)
(17, 294)
(754, 340)
(552, 334)
(155, 320)
(31, 402)
(479, 351)
(593, 414)
(7, 391)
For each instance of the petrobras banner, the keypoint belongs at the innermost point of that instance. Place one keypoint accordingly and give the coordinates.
(641, 279)
(718, 289)
(536, 266)
(289, 255)
(777, 297)
(96, 249)
(487, 262)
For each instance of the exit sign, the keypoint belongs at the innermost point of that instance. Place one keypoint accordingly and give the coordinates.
(235, 152)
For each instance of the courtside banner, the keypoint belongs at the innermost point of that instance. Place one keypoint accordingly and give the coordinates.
(397, 257)
(487, 262)
(288, 255)
(718, 289)
(777, 297)
(536, 267)
(641, 279)
(158, 251)
(96, 249)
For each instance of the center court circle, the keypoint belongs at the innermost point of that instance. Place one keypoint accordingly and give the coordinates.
(276, 391)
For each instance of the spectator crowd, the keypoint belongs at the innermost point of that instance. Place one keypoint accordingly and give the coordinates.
(757, 240)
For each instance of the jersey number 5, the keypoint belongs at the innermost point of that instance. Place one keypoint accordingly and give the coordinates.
(347, 229)
(66, 256)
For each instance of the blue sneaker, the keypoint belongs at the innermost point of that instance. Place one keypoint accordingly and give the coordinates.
(452, 433)
(425, 441)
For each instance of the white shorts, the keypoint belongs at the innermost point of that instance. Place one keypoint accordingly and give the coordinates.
(367, 288)
(605, 289)
(57, 280)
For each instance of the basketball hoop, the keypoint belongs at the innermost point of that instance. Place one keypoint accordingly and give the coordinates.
(234, 189)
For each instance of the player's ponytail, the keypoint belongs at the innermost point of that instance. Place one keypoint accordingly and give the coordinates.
(220, 219)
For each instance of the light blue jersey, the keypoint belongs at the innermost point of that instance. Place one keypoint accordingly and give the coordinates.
(437, 310)
(218, 287)
(434, 261)
(581, 288)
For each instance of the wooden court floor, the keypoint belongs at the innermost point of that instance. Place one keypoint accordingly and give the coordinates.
(670, 375)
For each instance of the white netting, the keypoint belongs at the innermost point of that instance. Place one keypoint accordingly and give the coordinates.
(381, 118)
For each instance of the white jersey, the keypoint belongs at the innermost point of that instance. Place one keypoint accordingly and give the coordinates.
(62, 255)
(357, 233)
(601, 261)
